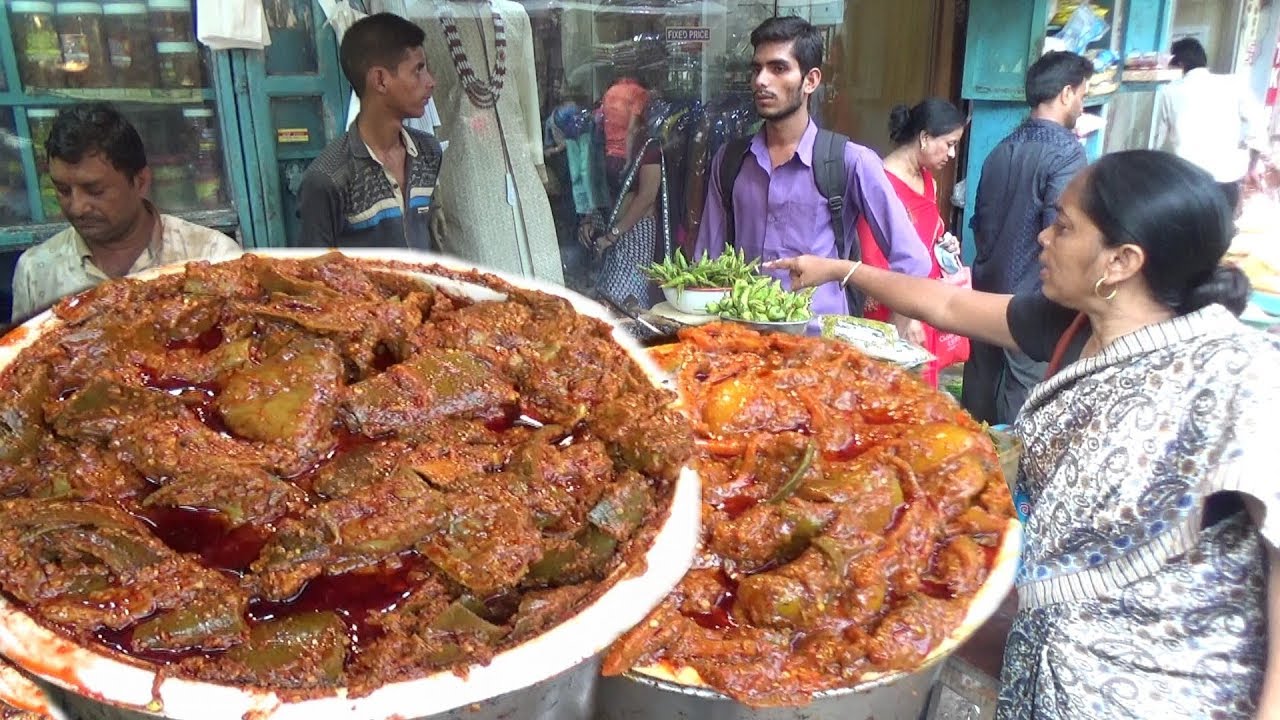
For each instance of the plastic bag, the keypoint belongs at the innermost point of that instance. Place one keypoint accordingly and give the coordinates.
(877, 339)
(340, 15)
(950, 348)
(1083, 28)
(232, 24)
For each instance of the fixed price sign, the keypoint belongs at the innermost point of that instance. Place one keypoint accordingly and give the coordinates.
(688, 34)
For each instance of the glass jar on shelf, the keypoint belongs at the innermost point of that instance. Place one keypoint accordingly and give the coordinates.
(84, 50)
(171, 20)
(129, 46)
(171, 186)
(36, 44)
(206, 168)
(155, 126)
(179, 64)
(13, 184)
(49, 197)
(40, 122)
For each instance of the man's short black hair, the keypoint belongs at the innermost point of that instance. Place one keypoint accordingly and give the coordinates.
(1188, 54)
(379, 40)
(805, 38)
(1054, 71)
(88, 128)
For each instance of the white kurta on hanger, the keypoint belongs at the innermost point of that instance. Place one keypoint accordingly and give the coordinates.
(339, 15)
(496, 212)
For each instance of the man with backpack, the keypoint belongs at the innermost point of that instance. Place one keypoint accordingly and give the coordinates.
(793, 189)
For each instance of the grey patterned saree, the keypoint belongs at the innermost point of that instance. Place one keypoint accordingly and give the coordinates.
(1142, 587)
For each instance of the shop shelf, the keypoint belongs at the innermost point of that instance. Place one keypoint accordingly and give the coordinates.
(66, 96)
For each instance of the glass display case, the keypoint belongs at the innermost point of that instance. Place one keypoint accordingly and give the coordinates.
(625, 72)
(230, 134)
(620, 84)
(141, 56)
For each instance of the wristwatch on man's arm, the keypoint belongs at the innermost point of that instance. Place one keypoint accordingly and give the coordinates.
(607, 238)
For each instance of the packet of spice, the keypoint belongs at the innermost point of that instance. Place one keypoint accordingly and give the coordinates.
(878, 339)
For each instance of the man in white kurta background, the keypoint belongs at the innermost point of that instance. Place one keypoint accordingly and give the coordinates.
(1208, 119)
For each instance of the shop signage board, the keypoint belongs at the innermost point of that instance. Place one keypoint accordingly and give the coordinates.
(688, 34)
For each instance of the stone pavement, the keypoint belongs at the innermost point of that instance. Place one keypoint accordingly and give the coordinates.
(970, 681)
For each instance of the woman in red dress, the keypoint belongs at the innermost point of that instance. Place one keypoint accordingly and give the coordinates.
(925, 137)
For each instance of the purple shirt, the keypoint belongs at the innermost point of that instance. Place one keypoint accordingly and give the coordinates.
(779, 212)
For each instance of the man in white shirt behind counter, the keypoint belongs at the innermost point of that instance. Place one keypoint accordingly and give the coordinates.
(99, 170)
(1210, 120)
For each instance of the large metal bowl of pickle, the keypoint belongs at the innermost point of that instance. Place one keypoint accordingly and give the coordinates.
(857, 528)
(304, 484)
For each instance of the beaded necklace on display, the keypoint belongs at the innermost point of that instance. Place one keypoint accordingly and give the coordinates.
(483, 93)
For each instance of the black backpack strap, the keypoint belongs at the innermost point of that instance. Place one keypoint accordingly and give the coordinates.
(735, 151)
(832, 179)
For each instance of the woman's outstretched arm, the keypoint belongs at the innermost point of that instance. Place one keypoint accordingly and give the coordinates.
(978, 315)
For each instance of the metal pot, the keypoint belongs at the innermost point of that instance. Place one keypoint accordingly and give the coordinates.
(550, 676)
(895, 696)
(639, 697)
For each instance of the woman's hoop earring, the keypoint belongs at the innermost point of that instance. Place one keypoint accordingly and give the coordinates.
(1097, 289)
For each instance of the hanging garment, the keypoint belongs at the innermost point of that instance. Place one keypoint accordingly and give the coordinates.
(495, 208)
(574, 126)
(231, 24)
(695, 188)
(339, 15)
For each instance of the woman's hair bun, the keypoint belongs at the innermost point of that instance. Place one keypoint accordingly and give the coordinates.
(899, 123)
(1226, 285)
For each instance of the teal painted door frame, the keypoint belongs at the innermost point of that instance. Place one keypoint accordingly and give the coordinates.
(295, 103)
(231, 99)
(1004, 37)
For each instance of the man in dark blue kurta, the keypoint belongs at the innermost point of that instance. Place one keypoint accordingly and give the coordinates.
(1017, 199)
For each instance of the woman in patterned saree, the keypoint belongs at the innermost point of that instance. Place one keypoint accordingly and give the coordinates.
(1148, 480)
(633, 241)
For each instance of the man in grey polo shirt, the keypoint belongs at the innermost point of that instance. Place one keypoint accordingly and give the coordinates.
(372, 187)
